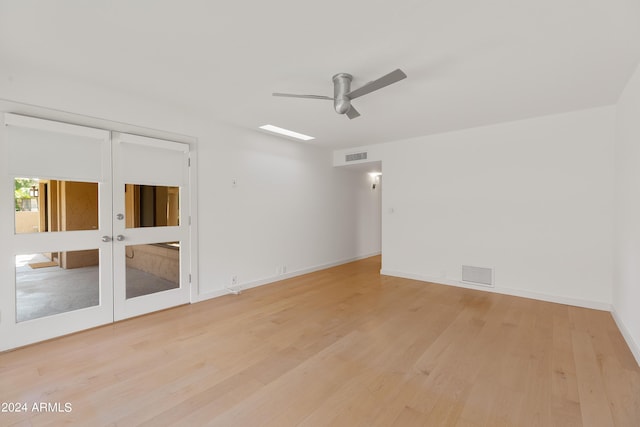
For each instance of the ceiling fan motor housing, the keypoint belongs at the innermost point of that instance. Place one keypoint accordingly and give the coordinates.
(341, 86)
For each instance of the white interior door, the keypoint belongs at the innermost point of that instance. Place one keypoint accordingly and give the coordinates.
(150, 224)
(60, 272)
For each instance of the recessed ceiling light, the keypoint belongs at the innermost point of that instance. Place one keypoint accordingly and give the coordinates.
(286, 132)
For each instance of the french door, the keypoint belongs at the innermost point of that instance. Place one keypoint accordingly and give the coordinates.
(100, 230)
(150, 226)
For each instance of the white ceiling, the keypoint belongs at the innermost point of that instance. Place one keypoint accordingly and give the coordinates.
(468, 62)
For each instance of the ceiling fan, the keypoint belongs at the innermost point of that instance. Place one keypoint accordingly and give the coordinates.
(342, 93)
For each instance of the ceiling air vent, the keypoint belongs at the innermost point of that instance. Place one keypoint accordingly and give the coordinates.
(355, 156)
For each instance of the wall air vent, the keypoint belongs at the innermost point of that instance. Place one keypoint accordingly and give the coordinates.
(355, 156)
(477, 275)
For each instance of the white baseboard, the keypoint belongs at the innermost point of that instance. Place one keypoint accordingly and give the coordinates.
(596, 305)
(208, 295)
(633, 345)
(265, 281)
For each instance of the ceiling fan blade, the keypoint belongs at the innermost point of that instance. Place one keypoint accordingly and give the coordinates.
(290, 95)
(352, 113)
(383, 81)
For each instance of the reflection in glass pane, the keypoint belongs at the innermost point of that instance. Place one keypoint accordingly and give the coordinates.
(152, 268)
(44, 205)
(57, 282)
(151, 206)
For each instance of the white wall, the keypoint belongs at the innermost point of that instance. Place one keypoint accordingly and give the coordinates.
(626, 285)
(369, 224)
(290, 207)
(531, 199)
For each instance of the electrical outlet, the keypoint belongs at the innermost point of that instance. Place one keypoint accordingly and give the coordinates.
(284, 269)
(234, 280)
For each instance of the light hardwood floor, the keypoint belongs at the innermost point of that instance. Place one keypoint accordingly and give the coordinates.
(339, 347)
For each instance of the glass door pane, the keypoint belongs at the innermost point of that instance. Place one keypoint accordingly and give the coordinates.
(49, 205)
(56, 282)
(152, 268)
(151, 206)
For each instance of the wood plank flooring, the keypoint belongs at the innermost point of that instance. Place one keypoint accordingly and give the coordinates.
(339, 347)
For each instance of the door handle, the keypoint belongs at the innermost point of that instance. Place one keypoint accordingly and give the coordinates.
(119, 237)
(106, 238)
